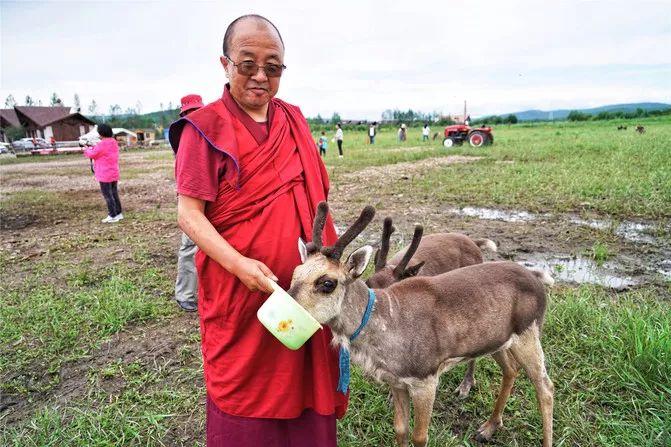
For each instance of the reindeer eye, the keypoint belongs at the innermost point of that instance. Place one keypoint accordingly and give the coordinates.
(326, 285)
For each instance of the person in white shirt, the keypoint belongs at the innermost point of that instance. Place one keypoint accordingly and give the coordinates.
(371, 133)
(425, 132)
(339, 138)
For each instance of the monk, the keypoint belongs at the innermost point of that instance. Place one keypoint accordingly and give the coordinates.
(249, 181)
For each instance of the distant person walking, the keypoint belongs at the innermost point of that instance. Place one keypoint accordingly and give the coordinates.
(186, 284)
(371, 133)
(106, 169)
(323, 144)
(339, 138)
(402, 133)
(426, 131)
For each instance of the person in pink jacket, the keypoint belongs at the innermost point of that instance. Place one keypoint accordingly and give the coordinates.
(106, 157)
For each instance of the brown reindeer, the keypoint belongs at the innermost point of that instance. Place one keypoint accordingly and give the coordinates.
(423, 326)
(432, 255)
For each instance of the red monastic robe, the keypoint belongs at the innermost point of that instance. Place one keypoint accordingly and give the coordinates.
(266, 200)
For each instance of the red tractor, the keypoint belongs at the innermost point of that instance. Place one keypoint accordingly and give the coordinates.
(476, 136)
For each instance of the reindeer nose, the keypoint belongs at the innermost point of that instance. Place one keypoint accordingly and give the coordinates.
(293, 290)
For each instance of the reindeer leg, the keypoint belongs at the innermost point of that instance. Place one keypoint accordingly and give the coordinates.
(401, 400)
(465, 387)
(510, 370)
(529, 353)
(422, 400)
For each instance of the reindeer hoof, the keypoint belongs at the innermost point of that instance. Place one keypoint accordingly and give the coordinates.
(464, 388)
(480, 437)
(462, 391)
(485, 432)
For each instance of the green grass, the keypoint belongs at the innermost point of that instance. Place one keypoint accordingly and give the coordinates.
(600, 253)
(45, 326)
(541, 167)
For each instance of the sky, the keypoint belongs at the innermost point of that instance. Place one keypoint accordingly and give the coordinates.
(354, 57)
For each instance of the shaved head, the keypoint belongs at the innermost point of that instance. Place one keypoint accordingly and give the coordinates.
(254, 18)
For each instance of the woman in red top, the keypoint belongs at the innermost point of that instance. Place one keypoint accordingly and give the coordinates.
(249, 181)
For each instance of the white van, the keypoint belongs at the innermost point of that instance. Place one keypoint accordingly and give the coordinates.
(90, 139)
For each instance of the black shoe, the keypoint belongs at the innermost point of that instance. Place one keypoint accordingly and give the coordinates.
(188, 306)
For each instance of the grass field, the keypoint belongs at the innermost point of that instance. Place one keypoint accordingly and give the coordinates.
(94, 353)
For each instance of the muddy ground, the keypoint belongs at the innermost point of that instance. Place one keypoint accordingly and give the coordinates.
(71, 228)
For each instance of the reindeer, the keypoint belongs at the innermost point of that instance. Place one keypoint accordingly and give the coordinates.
(437, 253)
(421, 327)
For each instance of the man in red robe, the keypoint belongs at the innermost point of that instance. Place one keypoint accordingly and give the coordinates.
(249, 181)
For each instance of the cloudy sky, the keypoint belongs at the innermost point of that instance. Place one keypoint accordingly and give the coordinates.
(353, 57)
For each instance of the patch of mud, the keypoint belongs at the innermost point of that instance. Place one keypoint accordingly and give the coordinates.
(630, 230)
(9, 222)
(637, 255)
(664, 268)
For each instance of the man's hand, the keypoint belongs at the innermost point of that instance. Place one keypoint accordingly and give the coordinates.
(253, 274)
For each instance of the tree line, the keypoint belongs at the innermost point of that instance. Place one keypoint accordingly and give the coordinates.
(575, 115)
(132, 117)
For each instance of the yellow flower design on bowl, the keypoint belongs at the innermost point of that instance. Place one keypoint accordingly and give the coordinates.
(285, 325)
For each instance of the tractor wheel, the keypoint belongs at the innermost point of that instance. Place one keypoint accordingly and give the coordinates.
(448, 142)
(477, 139)
(490, 139)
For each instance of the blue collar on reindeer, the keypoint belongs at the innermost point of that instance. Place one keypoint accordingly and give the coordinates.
(344, 360)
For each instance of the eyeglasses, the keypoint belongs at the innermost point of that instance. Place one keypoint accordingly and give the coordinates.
(250, 68)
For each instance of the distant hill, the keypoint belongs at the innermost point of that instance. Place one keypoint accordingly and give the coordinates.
(560, 114)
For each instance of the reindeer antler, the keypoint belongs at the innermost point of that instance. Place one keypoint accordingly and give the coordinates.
(416, 238)
(381, 256)
(317, 228)
(335, 251)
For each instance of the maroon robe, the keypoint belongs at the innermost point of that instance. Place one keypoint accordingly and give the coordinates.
(265, 201)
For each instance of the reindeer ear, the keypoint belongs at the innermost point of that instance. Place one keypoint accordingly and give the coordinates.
(414, 270)
(358, 260)
(303, 250)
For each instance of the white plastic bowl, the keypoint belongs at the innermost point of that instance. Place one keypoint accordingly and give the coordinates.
(287, 320)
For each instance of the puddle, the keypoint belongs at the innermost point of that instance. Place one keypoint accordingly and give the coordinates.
(580, 271)
(632, 231)
(492, 214)
(665, 268)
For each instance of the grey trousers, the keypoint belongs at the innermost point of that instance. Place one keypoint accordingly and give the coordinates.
(186, 285)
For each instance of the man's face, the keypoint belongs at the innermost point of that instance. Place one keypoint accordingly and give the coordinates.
(256, 42)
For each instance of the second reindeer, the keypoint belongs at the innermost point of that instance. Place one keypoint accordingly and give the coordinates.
(418, 328)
